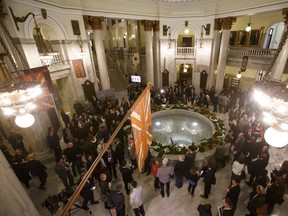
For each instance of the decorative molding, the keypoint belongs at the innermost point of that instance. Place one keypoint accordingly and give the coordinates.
(228, 22)
(96, 23)
(217, 24)
(156, 26)
(148, 25)
(178, 1)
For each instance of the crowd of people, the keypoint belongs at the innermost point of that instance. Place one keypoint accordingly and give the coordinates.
(88, 130)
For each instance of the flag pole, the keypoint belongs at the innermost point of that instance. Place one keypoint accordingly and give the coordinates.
(97, 160)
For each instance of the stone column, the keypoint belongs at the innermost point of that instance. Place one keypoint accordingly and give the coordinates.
(227, 24)
(156, 54)
(215, 52)
(100, 51)
(280, 62)
(13, 197)
(148, 24)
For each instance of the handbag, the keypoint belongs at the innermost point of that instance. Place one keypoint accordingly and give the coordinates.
(192, 182)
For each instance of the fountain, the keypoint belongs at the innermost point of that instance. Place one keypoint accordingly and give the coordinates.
(182, 126)
(178, 128)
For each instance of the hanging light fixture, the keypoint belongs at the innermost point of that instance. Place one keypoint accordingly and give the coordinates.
(207, 32)
(272, 97)
(239, 75)
(17, 97)
(248, 28)
(186, 27)
(47, 54)
(185, 66)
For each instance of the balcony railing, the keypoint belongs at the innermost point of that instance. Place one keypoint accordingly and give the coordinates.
(186, 51)
(50, 58)
(251, 52)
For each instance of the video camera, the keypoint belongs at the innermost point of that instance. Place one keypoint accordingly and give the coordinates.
(53, 203)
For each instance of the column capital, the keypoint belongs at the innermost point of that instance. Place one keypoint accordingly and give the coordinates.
(285, 14)
(87, 21)
(228, 22)
(156, 25)
(96, 23)
(217, 24)
(148, 24)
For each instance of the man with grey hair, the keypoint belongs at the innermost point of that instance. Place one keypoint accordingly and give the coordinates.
(164, 174)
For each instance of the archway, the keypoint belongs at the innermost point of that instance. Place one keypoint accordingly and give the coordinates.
(273, 35)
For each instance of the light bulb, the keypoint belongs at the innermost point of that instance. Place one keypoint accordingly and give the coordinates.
(25, 121)
(248, 28)
(239, 75)
(276, 138)
(186, 31)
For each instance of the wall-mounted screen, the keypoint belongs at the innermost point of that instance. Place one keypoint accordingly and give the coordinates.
(135, 79)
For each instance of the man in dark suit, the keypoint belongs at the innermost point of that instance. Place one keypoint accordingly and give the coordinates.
(209, 179)
(118, 200)
(87, 192)
(126, 175)
(36, 168)
(119, 150)
(63, 170)
(110, 160)
(54, 142)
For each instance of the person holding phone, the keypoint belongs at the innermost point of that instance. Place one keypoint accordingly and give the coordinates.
(87, 192)
(209, 178)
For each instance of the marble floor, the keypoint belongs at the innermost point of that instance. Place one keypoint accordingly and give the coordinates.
(180, 201)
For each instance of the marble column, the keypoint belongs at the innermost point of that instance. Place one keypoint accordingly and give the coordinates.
(280, 62)
(36, 135)
(227, 24)
(148, 25)
(96, 23)
(215, 53)
(13, 197)
(156, 54)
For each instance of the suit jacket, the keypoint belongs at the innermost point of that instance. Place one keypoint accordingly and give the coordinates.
(86, 191)
(209, 176)
(119, 150)
(110, 160)
(126, 174)
(36, 167)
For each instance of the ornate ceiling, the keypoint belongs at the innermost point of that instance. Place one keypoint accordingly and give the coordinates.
(178, 1)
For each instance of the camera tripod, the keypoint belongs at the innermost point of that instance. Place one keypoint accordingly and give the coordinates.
(73, 210)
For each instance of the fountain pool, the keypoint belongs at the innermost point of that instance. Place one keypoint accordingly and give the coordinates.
(181, 126)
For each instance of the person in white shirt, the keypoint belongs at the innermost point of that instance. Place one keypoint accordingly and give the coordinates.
(136, 200)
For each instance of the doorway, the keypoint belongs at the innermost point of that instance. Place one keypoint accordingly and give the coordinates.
(185, 74)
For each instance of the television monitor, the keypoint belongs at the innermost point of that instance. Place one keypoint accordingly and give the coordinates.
(135, 79)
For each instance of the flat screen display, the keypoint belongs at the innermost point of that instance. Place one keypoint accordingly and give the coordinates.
(135, 79)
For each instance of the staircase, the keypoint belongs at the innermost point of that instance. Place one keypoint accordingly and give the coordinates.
(117, 81)
(117, 78)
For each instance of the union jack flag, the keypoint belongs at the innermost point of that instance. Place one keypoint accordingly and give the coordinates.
(141, 121)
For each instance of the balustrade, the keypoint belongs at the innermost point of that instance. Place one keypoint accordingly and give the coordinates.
(251, 52)
(186, 51)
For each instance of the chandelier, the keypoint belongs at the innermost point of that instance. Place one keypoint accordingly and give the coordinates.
(272, 97)
(17, 97)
